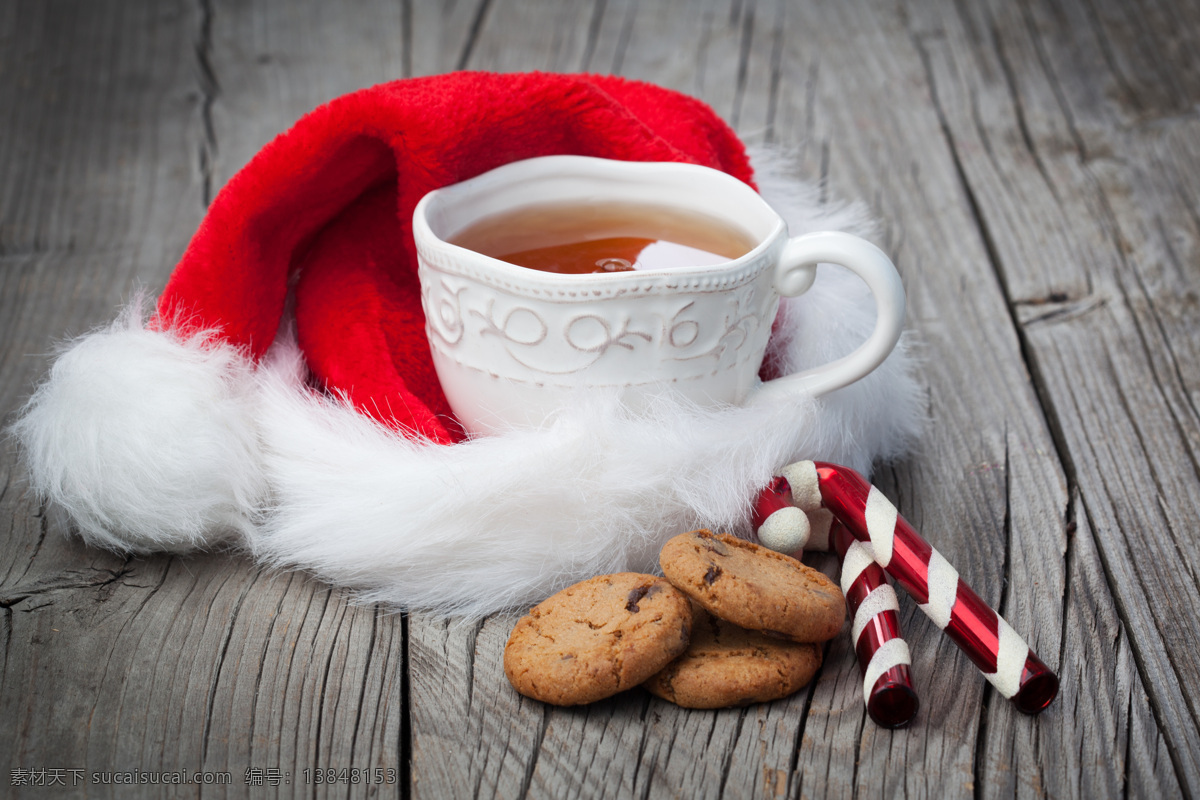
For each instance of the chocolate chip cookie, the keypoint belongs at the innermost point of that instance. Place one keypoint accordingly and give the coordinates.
(597, 638)
(754, 587)
(725, 665)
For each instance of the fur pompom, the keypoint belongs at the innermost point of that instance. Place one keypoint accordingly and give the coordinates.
(148, 441)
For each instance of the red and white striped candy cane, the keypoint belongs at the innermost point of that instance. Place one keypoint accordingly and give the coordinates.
(987, 639)
(882, 653)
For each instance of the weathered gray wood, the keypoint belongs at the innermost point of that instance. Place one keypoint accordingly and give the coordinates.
(1033, 166)
(852, 85)
(471, 734)
(1083, 124)
(88, 208)
(1012, 757)
(442, 36)
(160, 664)
(271, 63)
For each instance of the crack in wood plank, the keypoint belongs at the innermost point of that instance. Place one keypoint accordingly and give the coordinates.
(323, 687)
(262, 658)
(1010, 82)
(406, 747)
(593, 34)
(362, 692)
(1064, 107)
(477, 22)
(725, 768)
(406, 38)
(6, 616)
(210, 88)
(743, 62)
(1071, 527)
(623, 38)
(473, 628)
(222, 650)
(536, 750)
(19, 594)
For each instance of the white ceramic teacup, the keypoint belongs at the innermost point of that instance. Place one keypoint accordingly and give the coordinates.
(512, 344)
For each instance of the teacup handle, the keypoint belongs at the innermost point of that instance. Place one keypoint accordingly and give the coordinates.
(795, 273)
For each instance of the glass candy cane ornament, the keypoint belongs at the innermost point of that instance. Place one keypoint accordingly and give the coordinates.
(986, 638)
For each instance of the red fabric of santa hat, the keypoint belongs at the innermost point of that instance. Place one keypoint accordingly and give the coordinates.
(283, 398)
(332, 200)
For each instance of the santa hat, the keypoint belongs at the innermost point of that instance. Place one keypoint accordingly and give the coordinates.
(282, 397)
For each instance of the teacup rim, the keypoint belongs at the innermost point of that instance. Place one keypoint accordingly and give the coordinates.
(735, 269)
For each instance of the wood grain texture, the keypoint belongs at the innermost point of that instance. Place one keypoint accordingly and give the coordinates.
(158, 664)
(1034, 169)
(1091, 239)
(860, 102)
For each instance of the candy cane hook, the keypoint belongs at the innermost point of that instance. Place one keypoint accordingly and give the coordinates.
(986, 638)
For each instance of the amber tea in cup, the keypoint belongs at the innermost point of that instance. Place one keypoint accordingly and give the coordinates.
(586, 238)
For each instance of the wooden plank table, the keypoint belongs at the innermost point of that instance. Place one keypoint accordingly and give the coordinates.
(1035, 168)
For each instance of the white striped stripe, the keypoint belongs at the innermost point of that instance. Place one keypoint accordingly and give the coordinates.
(891, 653)
(819, 523)
(881, 526)
(882, 598)
(859, 556)
(785, 531)
(943, 590)
(806, 488)
(1010, 660)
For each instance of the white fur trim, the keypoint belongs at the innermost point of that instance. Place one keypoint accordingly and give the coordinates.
(507, 520)
(152, 442)
(148, 441)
